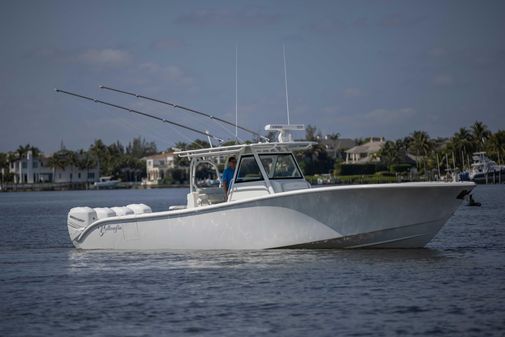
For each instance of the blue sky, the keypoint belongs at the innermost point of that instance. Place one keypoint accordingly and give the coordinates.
(359, 68)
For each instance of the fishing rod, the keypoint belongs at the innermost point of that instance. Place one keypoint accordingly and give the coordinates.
(205, 133)
(183, 108)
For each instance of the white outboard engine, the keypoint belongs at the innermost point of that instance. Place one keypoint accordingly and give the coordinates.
(78, 219)
(120, 211)
(104, 212)
(139, 208)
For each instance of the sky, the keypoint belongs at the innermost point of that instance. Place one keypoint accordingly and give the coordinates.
(360, 68)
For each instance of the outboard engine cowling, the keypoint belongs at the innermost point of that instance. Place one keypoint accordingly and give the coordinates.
(139, 208)
(122, 210)
(104, 212)
(78, 219)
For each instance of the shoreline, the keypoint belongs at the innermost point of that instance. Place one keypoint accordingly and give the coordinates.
(59, 187)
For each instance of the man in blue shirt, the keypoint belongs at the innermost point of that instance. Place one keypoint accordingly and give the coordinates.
(228, 174)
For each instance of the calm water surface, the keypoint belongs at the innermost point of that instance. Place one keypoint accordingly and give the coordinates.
(454, 287)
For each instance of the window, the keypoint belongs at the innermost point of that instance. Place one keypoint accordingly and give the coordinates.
(91, 175)
(35, 164)
(248, 170)
(79, 175)
(24, 165)
(280, 166)
(206, 175)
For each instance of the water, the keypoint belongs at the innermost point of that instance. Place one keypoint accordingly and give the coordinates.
(455, 287)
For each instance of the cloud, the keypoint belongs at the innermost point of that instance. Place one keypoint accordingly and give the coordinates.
(361, 23)
(331, 109)
(387, 122)
(437, 52)
(389, 116)
(105, 57)
(327, 26)
(251, 17)
(352, 92)
(167, 43)
(443, 80)
(397, 20)
(171, 73)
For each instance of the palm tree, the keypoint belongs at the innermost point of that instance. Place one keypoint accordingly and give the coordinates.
(421, 145)
(496, 145)
(462, 140)
(480, 133)
(62, 159)
(22, 151)
(101, 153)
(333, 136)
(85, 161)
(311, 133)
(390, 153)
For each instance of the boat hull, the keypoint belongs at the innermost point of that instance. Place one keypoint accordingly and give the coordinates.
(387, 216)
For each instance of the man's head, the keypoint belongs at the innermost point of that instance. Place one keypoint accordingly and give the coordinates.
(232, 162)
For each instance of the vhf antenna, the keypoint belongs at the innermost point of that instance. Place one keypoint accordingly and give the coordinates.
(183, 108)
(204, 133)
(236, 94)
(286, 81)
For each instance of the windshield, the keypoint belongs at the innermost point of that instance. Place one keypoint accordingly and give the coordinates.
(206, 175)
(248, 170)
(280, 166)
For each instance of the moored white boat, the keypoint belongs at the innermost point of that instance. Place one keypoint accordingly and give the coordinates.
(483, 167)
(106, 182)
(271, 205)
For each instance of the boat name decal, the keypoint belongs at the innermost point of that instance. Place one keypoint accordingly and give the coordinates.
(109, 228)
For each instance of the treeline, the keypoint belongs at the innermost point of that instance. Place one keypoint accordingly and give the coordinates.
(446, 153)
(428, 154)
(115, 160)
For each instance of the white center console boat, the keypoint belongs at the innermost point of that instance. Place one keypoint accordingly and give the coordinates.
(271, 205)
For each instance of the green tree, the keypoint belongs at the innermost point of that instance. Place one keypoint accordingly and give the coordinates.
(85, 161)
(101, 153)
(420, 144)
(22, 151)
(391, 153)
(496, 146)
(481, 134)
(139, 148)
(311, 133)
(333, 136)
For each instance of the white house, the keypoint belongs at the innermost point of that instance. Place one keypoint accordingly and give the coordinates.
(365, 153)
(29, 170)
(158, 166)
(336, 147)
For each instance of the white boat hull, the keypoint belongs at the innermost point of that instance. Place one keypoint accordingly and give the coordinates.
(405, 215)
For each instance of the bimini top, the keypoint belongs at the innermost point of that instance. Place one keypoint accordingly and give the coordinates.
(257, 147)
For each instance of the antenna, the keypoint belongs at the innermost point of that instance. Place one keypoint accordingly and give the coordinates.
(286, 81)
(204, 133)
(236, 93)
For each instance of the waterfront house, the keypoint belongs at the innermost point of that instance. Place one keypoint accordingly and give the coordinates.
(29, 170)
(158, 167)
(335, 148)
(365, 153)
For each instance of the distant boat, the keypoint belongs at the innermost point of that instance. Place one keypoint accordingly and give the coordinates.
(482, 166)
(106, 182)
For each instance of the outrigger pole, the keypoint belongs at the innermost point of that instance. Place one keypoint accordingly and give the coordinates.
(183, 108)
(205, 133)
